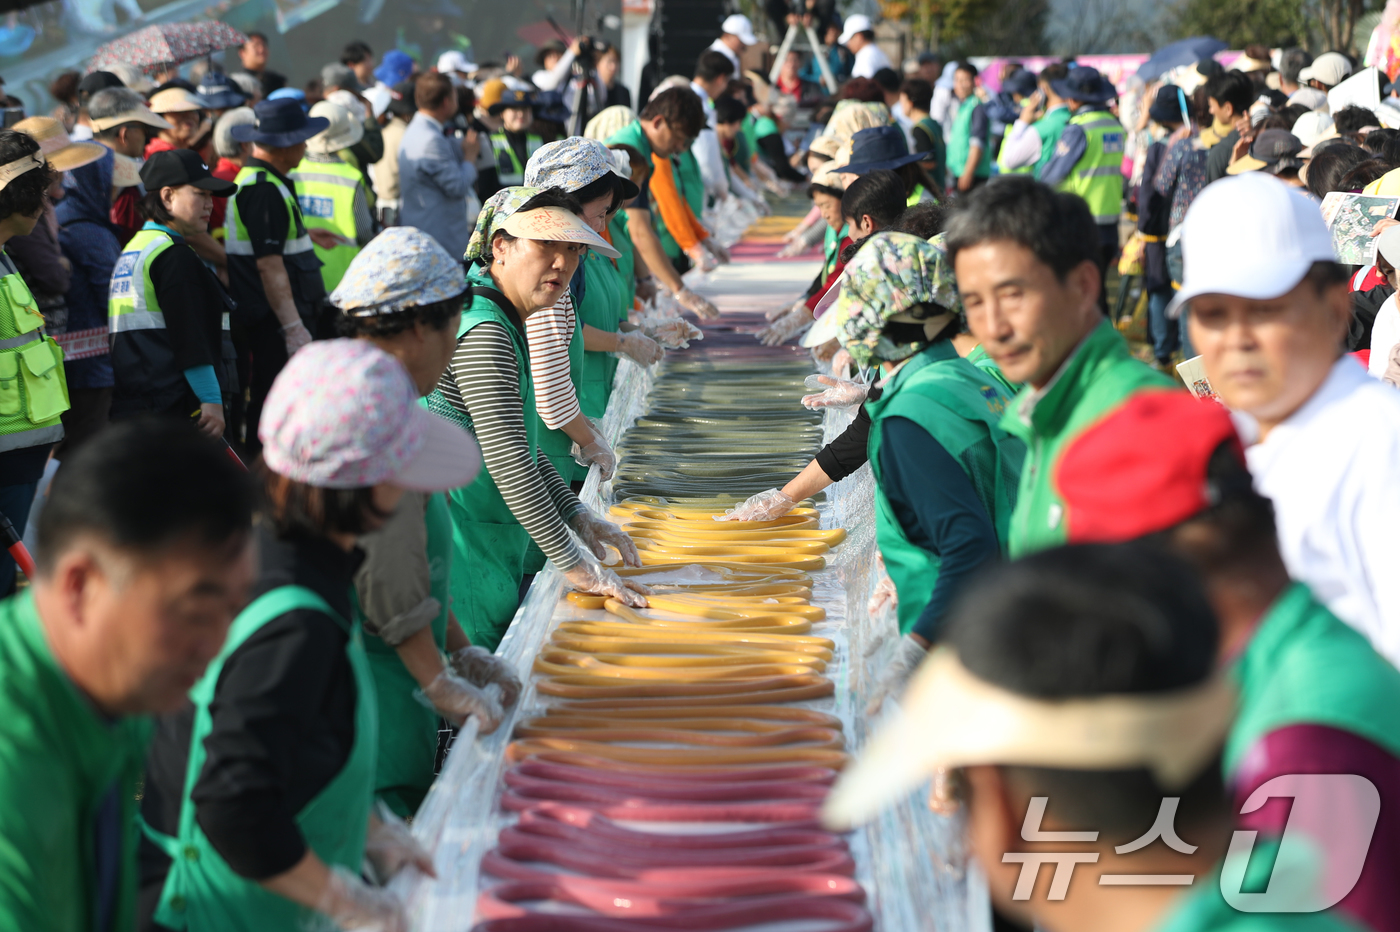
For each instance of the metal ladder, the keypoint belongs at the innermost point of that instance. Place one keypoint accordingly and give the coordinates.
(806, 41)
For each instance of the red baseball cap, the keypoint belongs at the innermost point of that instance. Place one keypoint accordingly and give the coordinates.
(1142, 469)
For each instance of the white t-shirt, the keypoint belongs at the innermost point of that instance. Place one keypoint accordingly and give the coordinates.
(1330, 469)
(869, 60)
(719, 46)
(1385, 333)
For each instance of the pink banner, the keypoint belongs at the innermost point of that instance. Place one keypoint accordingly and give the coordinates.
(1117, 68)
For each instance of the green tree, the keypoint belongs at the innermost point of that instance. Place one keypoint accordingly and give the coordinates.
(1238, 23)
(935, 23)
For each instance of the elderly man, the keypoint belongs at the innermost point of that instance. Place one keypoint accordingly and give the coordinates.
(143, 563)
(1269, 314)
(1029, 272)
(436, 172)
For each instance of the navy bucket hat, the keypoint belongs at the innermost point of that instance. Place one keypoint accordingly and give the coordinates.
(1085, 85)
(280, 123)
(880, 147)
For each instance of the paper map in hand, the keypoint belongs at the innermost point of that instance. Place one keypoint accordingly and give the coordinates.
(1351, 218)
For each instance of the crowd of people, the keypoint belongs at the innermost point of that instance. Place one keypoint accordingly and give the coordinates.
(401, 297)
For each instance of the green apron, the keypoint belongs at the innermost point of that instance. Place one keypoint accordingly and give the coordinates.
(961, 409)
(604, 308)
(488, 543)
(627, 263)
(201, 891)
(408, 730)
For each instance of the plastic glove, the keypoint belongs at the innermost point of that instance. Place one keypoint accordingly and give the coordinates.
(907, 656)
(765, 506)
(717, 250)
(640, 348)
(455, 699)
(480, 667)
(776, 312)
(597, 533)
(673, 332)
(884, 597)
(697, 305)
(786, 327)
(596, 451)
(646, 288)
(793, 249)
(353, 904)
(702, 258)
(841, 362)
(295, 335)
(943, 795)
(390, 846)
(593, 577)
(838, 393)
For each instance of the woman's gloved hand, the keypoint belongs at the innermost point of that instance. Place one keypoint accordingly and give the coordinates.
(696, 304)
(390, 846)
(455, 699)
(639, 347)
(793, 249)
(353, 904)
(593, 577)
(719, 252)
(295, 335)
(786, 327)
(673, 332)
(480, 667)
(765, 506)
(884, 597)
(596, 450)
(776, 312)
(702, 258)
(908, 654)
(834, 393)
(597, 534)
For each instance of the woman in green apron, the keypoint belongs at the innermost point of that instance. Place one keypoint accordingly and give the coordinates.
(586, 326)
(527, 245)
(403, 293)
(259, 799)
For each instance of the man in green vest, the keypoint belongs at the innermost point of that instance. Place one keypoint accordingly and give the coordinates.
(1314, 696)
(403, 293)
(1030, 141)
(1029, 273)
(916, 96)
(1088, 159)
(274, 273)
(512, 144)
(144, 559)
(969, 138)
(331, 192)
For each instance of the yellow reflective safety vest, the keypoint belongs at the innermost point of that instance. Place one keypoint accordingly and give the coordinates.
(1098, 175)
(33, 388)
(326, 194)
(510, 171)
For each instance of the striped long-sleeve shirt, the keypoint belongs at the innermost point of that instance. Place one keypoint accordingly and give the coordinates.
(483, 382)
(549, 332)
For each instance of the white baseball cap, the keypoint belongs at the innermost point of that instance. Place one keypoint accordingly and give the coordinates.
(739, 25)
(1313, 127)
(854, 24)
(455, 60)
(1331, 68)
(1251, 236)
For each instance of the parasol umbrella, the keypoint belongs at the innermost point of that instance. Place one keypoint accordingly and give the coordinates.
(1183, 52)
(167, 42)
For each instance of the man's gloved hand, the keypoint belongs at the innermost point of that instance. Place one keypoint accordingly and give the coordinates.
(719, 252)
(480, 667)
(597, 533)
(295, 335)
(353, 904)
(390, 846)
(702, 258)
(836, 393)
(455, 699)
(786, 327)
(640, 348)
(765, 506)
(593, 577)
(909, 653)
(673, 332)
(883, 597)
(697, 304)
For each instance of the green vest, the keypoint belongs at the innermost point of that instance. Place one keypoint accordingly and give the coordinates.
(33, 387)
(633, 135)
(132, 303)
(1098, 377)
(692, 183)
(917, 196)
(960, 142)
(510, 171)
(748, 129)
(408, 730)
(488, 542)
(939, 153)
(831, 249)
(201, 892)
(604, 308)
(627, 262)
(1303, 665)
(960, 408)
(142, 359)
(236, 241)
(979, 358)
(60, 760)
(326, 195)
(1098, 175)
(1049, 128)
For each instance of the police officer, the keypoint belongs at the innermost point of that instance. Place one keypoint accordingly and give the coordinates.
(511, 144)
(331, 192)
(165, 306)
(274, 273)
(33, 390)
(1088, 159)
